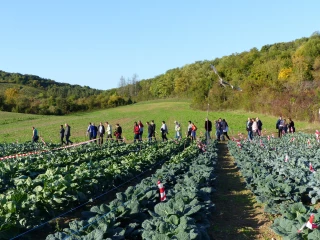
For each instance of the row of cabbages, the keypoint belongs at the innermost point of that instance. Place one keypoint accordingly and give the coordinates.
(138, 212)
(282, 173)
(37, 188)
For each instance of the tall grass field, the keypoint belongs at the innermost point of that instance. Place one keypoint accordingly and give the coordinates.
(17, 127)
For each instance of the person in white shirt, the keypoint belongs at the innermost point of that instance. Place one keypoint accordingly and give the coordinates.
(254, 127)
(164, 131)
(109, 131)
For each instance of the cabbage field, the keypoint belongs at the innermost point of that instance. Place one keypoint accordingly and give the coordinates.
(284, 175)
(39, 187)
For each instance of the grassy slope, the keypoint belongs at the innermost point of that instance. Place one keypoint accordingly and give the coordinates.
(17, 127)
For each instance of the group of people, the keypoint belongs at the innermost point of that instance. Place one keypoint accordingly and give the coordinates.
(64, 133)
(99, 132)
(283, 126)
(138, 129)
(222, 129)
(106, 131)
(253, 127)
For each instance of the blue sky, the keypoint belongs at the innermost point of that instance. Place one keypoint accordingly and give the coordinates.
(94, 43)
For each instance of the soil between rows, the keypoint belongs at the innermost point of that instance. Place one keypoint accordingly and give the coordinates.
(237, 216)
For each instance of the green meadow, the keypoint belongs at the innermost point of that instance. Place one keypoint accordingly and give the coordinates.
(17, 127)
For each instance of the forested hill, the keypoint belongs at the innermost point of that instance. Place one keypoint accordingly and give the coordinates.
(280, 78)
(33, 94)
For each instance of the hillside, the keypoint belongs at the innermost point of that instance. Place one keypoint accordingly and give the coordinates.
(36, 95)
(279, 79)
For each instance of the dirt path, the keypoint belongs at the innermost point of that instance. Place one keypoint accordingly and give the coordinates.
(238, 216)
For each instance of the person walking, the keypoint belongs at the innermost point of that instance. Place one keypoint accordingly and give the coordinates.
(164, 131)
(259, 123)
(177, 129)
(140, 130)
(150, 131)
(153, 130)
(208, 128)
(101, 132)
(118, 132)
(89, 133)
(254, 127)
(189, 129)
(94, 132)
(193, 132)
(67, 134)
(109, 131)
(136, 132)
(249, 129)
(217, 126)
(62, 135)
(35, 136)
(291, 126)
(225, 128)
(279, 126)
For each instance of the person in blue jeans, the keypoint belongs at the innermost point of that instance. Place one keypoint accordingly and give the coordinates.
(249, 129)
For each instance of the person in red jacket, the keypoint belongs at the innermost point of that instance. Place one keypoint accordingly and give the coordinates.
(136, 131)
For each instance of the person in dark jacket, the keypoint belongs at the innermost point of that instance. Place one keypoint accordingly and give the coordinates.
(153, 130)
(62, 135)
(67, 134)
(291, 126)
(35, 135)
(225, 128)
(118, 132)
(249, 129)
(279, 126)
(208, 128)
(259, 124)
(101, 132)
(150, 131)
(95, 132)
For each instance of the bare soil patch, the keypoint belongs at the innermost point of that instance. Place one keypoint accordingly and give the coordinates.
(238, 216)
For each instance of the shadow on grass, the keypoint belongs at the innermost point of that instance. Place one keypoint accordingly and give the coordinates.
(237, 214)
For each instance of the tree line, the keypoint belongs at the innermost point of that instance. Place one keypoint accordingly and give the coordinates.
(279, 79)
(36, 95)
